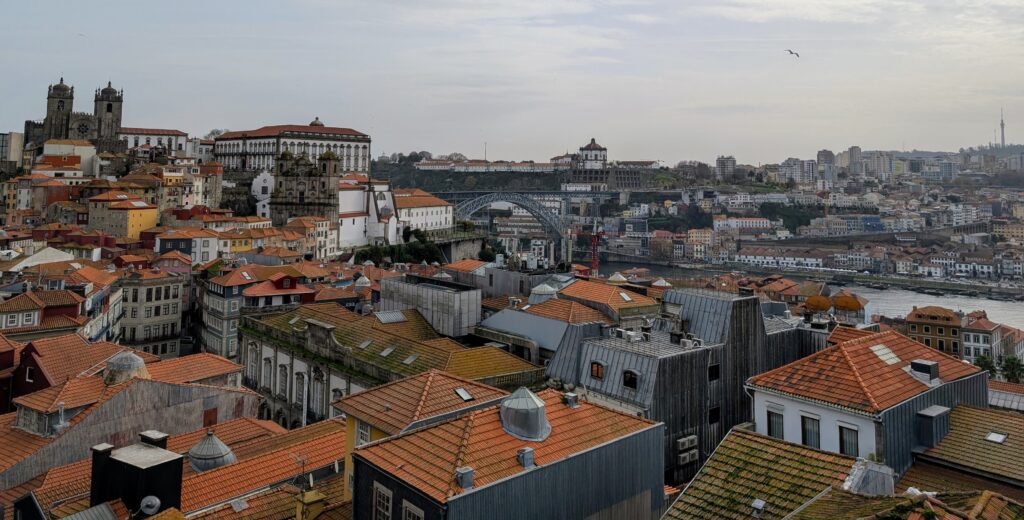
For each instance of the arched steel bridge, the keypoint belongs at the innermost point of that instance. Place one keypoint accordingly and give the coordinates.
(549, 219)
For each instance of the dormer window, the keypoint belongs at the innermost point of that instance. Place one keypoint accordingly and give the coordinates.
(597, 370)
(630, 379)
(287, 283)
(29, 374)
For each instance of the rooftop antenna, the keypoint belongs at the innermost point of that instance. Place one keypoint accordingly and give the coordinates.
(485, 150)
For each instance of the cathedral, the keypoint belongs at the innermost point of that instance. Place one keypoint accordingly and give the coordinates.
(305, 188)
(62, 122)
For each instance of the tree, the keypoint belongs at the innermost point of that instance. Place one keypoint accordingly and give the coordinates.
(215, 133)
(791, 184)
(986, 363)
(470, 182)
(1013, 369)
(455, 157)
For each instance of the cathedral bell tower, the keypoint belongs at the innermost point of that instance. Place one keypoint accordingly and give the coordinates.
(107, 109)
(59, 100)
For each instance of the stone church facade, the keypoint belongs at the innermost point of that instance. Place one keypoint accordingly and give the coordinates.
(62, 122)
(305, 188)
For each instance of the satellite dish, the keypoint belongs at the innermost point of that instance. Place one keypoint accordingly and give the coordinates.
(150, 505)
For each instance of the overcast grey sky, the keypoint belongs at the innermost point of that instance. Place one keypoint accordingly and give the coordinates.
(664, 80)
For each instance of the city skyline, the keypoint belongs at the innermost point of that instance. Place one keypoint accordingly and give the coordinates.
(649, 80)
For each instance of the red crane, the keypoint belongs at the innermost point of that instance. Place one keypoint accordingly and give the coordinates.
(595, 241)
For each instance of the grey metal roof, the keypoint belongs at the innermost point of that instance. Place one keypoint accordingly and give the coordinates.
(98, 512)
(659, 345)
(773, 325)
(707, 313)
(548, 333)
(390, 316)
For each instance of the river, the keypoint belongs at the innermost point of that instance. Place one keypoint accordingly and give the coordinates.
(891, 302)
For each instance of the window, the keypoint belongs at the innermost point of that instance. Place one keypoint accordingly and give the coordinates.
(630, 379)
(913, 327)
(775, 425)
(928, 342)
(848, 441)
(954, 332)
(714, 414)
(956, 347)
(27, 318)
(411, 512)
(149, 294)
(381, 502)
(927, 329)
(810, 432)
(942, 345)
(940, 331)
(714, 372)
(362, 434)
(597, 370)
(12, 320)
(29, 374)
(149, 312)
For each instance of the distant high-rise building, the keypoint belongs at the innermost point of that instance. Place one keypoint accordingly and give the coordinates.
(856, 161)
(826, 157)
(1002, 130)
(725, 166)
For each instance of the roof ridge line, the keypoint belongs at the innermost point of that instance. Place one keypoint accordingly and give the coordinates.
(423, 394)
(461, 455)
(856, 374)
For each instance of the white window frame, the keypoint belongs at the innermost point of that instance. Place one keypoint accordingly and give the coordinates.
(411, 512)
(362, 430)
(381, 492)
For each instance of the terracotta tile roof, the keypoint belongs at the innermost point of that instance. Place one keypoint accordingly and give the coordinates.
(985, 505)
(17, 443)
(59, 298)
(73, 393)
(396, 406)
(924, 313)
(419, 201)
(96, 276)
(339, 293)
(866, 374)
(63, 357)
(112, 196)
(498, 303)
(566, 311)
(844, 333)
(72, 480)
(966, 446)
(7, 345)
(150, 131)
(426, 459)
(278, 503)
(605, 294)
(406, 345)
(325, 445)
(27, 301)
(746, 466)
(931, 477)
(276, 130)
(192, 369)
(1003, 386)
(267, 288)
(982, 324)
(467, 265)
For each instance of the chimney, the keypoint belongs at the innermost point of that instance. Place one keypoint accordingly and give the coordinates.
(572, 400)
(98, 491)
(310, 504)
(675, 337)
(143, 476)
(154, 438)
(932, 425)
(525, 458)
(758, 507)
(925, 369)
(464, 477)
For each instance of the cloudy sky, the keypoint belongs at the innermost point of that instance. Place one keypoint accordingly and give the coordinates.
(666, 80)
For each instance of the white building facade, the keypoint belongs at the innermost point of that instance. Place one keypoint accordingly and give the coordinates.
(255, 150)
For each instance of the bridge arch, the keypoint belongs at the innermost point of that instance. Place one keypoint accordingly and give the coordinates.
(549, 219)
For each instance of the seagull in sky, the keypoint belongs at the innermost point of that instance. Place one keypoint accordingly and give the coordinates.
(797, 54)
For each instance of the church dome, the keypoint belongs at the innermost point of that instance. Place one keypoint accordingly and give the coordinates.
(210, 453)
(523, 416)
(109, 90)
(316, 122)
(123, 367)
(62, 87)
(364, 281)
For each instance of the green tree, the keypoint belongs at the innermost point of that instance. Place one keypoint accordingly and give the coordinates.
(986, 363)
(1013, 369)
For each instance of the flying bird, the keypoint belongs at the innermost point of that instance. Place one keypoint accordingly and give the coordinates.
(797, 54)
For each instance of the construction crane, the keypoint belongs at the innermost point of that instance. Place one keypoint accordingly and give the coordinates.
(595, 241)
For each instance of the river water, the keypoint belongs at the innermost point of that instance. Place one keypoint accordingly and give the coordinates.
(891, 302)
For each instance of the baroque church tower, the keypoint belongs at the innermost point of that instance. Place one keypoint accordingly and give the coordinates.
(59, 101)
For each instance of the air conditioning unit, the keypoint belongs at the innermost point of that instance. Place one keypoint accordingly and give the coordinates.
(686, 343)
(687, 457)
(686, 443)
